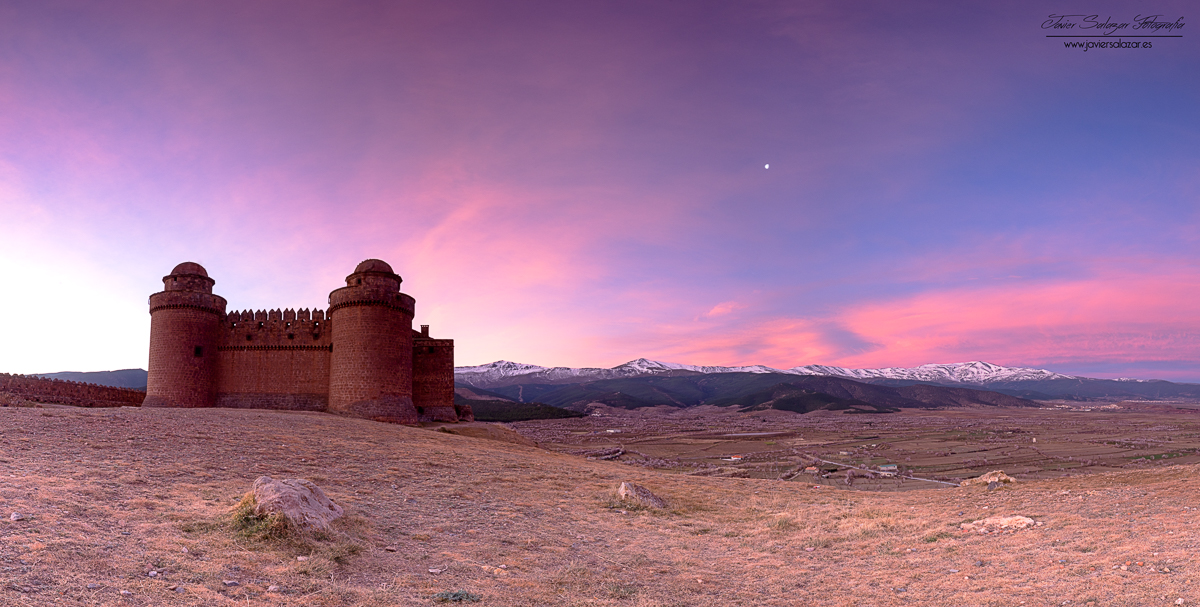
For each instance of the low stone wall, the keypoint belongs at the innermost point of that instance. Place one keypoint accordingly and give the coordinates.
(73, 393)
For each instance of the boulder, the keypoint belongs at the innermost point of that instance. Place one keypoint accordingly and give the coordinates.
(299, 500)
(995, 476)
(640, 495)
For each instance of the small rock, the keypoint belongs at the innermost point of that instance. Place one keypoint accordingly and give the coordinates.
(272, 588)
(998, 523)
(1178, 601)
(390, 548)
(93, 586)
(436, 571)
(231, 583)
(185, 550)
(126, 593)
(809, 549)
(953, 571)
(640, 495)
(995, 476)
(152, 574)
(172, 587)
(16, 516)
(302, 558)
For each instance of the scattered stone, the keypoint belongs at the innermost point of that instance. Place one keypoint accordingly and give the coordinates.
(995, 476)
(185, 549)
(298, 500)
(93, 586)
(152, 573)
(995, 524)
(809, 549)
(640, 495)
(436, 571)
(231, 583)
(302, 558)
(390, 548)
(126, 593)
(16, 516)
(272, 588)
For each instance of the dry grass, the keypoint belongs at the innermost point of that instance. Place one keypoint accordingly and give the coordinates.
(111, 495)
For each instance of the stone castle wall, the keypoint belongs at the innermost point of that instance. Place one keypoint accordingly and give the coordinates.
(360, 358)
(276, 359)
(73, 393)
(433, 378)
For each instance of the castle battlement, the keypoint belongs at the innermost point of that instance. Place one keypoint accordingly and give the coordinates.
(360, 357)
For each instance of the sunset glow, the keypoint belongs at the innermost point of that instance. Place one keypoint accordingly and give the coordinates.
(582, 184)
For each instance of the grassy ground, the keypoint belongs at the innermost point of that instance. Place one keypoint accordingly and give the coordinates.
(110, 495)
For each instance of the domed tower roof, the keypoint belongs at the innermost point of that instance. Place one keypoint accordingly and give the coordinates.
(188, 276)
(190, 267)
(370, 265)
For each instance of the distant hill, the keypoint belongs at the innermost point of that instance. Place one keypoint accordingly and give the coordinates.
(125, 378)
(492, 407)
(751, 390)
(1027, 383)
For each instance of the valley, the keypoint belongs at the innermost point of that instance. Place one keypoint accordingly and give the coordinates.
(1057, 440)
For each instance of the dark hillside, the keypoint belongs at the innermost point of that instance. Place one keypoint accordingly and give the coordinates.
(753, 389)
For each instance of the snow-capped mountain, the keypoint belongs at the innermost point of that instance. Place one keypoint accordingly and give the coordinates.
(975, 373)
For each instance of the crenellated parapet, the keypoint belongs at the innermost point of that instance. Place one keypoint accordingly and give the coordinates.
(359, 357)
(276, 328)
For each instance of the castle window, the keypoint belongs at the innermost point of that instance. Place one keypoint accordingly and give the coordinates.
(358, 281)
(249, 338)
(289, 325)
(199, 351)
(291, 336)
(429, 350)
(260, 325)
(235, 325)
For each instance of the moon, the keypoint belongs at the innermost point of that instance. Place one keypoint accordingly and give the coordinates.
(766, 166)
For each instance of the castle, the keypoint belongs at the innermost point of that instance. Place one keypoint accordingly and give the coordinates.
(361, 358)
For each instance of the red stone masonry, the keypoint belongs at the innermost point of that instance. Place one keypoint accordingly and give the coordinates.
(358, 359)
(79, 394)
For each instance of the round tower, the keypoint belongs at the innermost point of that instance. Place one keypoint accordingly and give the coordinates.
(370, 368)
(185, 322)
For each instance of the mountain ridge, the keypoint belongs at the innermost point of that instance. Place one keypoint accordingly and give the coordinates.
(974, 372)
(1023, 382)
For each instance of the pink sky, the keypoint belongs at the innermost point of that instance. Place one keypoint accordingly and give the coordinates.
(582, 184)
